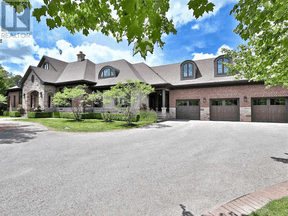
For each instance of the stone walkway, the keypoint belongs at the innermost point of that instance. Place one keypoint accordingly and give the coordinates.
(251, 202)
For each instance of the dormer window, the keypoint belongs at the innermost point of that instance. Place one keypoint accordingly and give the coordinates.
(220, 69)
(108, 71)
(188, 70)
(46, 65)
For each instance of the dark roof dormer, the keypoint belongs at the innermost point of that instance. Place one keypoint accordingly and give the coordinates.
(219, 68)
(108, 72)
(188, 70)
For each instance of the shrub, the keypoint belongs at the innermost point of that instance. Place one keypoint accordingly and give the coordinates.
(91, 116)
(67, 115)
(55, 115)
(122, 117)
(14, 114)
(148, 116)
(39, 114)
(6, 113)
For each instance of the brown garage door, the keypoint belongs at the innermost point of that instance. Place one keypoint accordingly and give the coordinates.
(269, 109)
(188, 109)
(224, 110)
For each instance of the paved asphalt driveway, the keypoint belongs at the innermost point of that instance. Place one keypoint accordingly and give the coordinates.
(147, 171)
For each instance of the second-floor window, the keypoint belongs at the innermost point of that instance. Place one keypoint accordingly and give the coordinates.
(221, 69)
(107, 72)
(46, 65)
(188, 70)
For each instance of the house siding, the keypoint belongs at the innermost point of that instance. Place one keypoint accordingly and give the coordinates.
(250, 91)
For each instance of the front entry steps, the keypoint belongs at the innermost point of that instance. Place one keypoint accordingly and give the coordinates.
(162, 116)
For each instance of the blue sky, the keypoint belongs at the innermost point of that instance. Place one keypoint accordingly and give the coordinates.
(196, 39)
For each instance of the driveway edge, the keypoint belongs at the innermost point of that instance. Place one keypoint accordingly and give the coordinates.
(248, 203)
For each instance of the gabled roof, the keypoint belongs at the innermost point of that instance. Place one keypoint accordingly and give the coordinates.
(56, 64)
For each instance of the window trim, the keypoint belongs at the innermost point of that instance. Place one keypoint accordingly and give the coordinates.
(216, 74)
(194, 70)
(116, 72)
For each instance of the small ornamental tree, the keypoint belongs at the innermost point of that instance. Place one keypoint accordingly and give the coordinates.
(128, 95)
(95, 97)
(77, 95)
(3, 100)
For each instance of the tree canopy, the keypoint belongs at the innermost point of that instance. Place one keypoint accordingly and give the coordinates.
(264, 23)
(7, 80)
(140, 21)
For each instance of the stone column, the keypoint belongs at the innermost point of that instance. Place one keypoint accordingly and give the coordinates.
(163, 101)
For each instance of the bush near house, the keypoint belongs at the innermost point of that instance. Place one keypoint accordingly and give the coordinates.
(38, 114)
(6, 113)
(14, 113)
(148, 116)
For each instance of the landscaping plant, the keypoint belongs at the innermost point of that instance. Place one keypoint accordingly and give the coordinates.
(128, 95)
(77, 95)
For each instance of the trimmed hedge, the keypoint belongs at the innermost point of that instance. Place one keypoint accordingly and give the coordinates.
(121, 117)
(38, 114)
(6, 113)
(55, 114)
(14, 114)
(148, 116)
(91, 116)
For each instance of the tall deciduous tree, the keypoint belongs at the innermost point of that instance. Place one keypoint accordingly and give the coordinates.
(3, 100)
(140, 21)
(77, 95)
(264, 23)
(129, 94)
(7, 80)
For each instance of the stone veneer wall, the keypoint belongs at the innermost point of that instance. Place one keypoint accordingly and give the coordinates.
(28, 87)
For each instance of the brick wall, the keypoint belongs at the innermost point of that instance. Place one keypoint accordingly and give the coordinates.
(226, 92)
(12, 106)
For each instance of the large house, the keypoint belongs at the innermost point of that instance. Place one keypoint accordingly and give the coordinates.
(197, 90)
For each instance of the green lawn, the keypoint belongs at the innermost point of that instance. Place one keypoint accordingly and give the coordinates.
(87, 125)
(5, 117)
(274, 208)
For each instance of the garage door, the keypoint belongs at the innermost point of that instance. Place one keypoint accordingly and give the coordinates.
(224, 110)
(269, 109)
(188, 109)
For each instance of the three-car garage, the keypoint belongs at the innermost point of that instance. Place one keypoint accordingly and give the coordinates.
(228, 109)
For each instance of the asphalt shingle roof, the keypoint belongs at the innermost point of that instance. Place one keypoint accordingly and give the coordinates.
(89, 71)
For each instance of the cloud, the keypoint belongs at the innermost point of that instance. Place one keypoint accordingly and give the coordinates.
(25, 52)
(223, 46)
(181, 15)
(196, 26)
(198, 56)
(202, 55)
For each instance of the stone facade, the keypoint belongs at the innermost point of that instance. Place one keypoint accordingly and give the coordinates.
(30, 87)
(245, 114)
(204, 113)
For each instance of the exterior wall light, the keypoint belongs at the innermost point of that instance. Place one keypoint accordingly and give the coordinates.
(204, 99)
(245, 98)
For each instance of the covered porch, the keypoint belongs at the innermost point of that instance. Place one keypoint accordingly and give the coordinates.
(159, 101)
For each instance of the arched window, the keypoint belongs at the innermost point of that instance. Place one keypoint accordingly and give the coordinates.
(188, 70)
(219, 66)
(49, 101)
(46, 65)
(108, 71)
(32, 78)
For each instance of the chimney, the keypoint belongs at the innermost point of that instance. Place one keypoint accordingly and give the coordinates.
(81, 56)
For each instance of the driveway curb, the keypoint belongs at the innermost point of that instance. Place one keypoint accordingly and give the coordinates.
(251, 202)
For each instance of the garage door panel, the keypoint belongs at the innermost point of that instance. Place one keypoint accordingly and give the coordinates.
(217, 113)
(260, 113)
(269, 110)
(188, 109)
(231, 113)
(277, 113)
